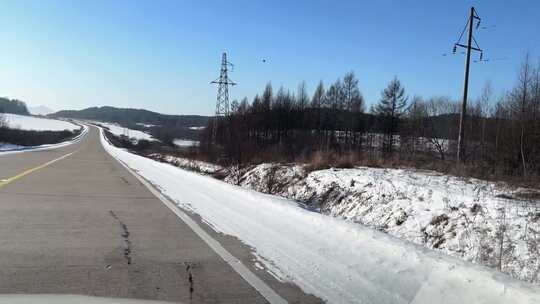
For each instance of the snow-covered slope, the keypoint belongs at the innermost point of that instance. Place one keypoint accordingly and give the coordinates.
(23, 122)
(479, 221)
(119, 130)
(40, 110)
(186, 163)
(339, 261)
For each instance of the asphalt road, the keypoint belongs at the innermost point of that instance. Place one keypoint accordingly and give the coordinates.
(85, 225)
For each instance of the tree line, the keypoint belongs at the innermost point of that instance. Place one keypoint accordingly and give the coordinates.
(13, 106)
(502, 133)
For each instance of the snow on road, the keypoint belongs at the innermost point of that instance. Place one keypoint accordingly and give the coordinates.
(339, 261)
(24, 122)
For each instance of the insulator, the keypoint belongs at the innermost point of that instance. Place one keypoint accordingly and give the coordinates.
(481, 55)
(454, 49)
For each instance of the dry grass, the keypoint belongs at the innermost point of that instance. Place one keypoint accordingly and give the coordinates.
(323, 159)
(320, 160)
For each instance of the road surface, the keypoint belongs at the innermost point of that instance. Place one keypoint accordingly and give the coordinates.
(74, 221)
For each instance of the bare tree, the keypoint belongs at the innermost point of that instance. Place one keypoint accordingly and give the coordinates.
(302, 97)
(484, 107)
(353, 104)
(414, 133)
(521, 104)
(505, 131)
(439, 139)
(333, 102)
(317, 102)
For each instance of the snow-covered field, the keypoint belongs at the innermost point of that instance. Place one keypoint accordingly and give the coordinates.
(185, 143)
(119, 130)
(6, 148)
(24, 122)
(339, 261)
(146, 125)
(376, 141)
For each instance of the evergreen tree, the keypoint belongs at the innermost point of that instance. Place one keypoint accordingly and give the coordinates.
(267, 97)
(391, 107)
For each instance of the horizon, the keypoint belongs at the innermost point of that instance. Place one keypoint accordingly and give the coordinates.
(162, 58)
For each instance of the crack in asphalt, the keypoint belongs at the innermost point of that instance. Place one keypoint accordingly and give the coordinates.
(125, 237)
(190, 280)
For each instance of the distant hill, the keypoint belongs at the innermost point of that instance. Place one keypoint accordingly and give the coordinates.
(13, 106)
(129, 117)
(40, 110)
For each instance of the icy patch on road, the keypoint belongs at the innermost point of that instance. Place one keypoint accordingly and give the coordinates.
(339, 261)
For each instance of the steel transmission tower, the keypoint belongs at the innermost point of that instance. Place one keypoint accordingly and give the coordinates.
(222, 103)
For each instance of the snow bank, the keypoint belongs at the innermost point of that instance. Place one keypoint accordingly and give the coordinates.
(186, 163)
(23, 122)
(339, 261)
(479, 221)
(10, 147)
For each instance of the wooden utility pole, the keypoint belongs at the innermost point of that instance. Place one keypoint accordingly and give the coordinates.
(463, 114)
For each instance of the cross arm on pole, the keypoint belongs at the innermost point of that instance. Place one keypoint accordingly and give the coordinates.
(472, 48)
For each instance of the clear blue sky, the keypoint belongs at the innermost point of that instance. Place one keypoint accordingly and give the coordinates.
(161, 55)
